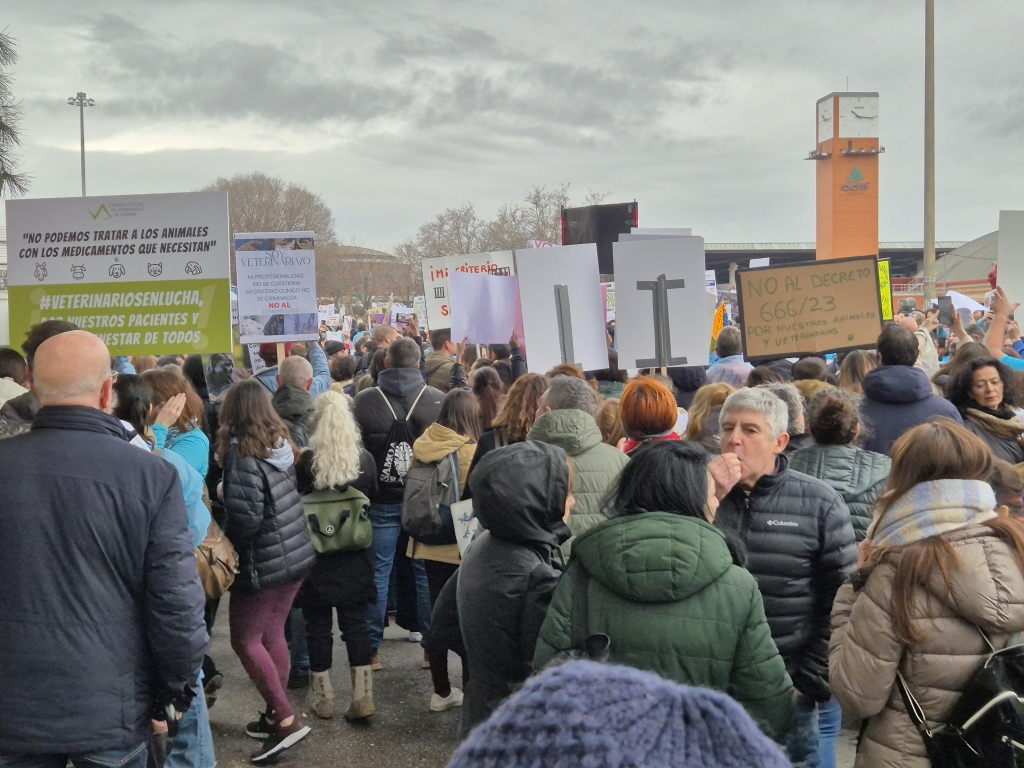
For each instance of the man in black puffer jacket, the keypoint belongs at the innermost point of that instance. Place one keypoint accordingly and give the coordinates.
(800, 546)
(101, 619)
(399, 394)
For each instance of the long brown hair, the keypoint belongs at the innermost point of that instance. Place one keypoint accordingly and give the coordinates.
(855, 366)
(248, 416)
(164, 384)
(707, 397)
(461, 414)
(519, 409)
(938, 450)
(487, 388)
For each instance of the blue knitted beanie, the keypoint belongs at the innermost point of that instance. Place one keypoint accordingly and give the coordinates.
(587, 715)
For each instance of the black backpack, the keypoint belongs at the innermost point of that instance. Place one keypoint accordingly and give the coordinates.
(986, 727)
(430, 490)
(394, 463)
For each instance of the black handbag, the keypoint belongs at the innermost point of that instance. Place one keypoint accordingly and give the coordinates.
(986, 727)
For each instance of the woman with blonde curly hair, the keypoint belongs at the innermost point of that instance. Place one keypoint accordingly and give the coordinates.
(704, 412)
(515, 417)
(340, 581)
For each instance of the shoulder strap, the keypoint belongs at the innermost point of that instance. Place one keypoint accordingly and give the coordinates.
(580, 606)
(914, 710)
(455, 475)
(413, 406)
(388, 402)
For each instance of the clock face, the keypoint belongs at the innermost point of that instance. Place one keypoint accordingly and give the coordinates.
(826, 119)
(858, 117)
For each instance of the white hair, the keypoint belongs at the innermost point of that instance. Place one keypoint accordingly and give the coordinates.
(794, 401)
(295, 370)
(762, 401)
(336, 444)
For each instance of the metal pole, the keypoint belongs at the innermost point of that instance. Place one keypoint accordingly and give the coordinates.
(81, 126)
(929, 150)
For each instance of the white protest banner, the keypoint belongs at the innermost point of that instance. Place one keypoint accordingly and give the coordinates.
(435, 279)
(659, 288)
(669, 231)
(400, 315)
(755, 263)
(1010, 261)
(483, 307)
(711, 282)
(256, 362)
(539, 244)
(965, 302)
(325, 312)
(608, 294)
(563, 316)
(148, 274)
(465, 522)
(276, 286)
(419, 306)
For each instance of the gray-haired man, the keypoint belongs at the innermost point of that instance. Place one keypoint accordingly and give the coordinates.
(800, 547)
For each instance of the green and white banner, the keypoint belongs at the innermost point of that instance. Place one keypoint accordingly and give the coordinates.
(148, 274)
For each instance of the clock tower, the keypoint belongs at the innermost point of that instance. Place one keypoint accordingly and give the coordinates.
(846, 153)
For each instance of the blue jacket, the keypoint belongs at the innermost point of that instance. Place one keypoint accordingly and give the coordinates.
(321, 372)
(102, 605)
(193, 446)
(898, 398)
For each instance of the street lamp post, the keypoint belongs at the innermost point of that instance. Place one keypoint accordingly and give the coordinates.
(929, 151)
(79, 100)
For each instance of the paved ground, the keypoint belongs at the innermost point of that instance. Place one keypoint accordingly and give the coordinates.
(403, 734)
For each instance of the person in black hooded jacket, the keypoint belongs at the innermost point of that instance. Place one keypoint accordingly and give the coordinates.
(522, 495)
(266, 525)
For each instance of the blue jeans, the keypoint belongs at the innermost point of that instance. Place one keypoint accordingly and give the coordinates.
(298, 653)
(132, 757)
(830, 722)
(193, 746)
(802, 744)
(386, 520)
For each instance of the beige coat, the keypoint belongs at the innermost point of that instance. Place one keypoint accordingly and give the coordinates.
(988, 591)
(433, 445)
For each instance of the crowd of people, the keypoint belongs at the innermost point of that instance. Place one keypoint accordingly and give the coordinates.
(701, 566)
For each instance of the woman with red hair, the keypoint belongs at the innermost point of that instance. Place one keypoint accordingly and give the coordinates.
(648, 412)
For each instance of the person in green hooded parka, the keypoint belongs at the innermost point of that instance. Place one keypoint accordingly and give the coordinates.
(669, 590)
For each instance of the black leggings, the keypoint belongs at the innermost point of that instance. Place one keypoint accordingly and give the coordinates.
(319, 638)
(439, 643)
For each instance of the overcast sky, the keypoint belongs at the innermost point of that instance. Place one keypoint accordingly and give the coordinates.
(702, 110)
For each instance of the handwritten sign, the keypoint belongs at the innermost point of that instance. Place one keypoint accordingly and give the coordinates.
(809, 308)
(885, 287)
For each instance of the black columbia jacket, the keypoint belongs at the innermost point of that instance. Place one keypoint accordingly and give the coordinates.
(102, 609)
(800, 548)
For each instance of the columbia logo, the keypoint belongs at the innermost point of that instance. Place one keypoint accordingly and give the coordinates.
(787, 523)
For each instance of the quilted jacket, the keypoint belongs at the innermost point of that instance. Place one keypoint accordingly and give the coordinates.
(800, 548)
(986, 592)
(855, 474)
(272, 541)
(596, 464)
(665, 589)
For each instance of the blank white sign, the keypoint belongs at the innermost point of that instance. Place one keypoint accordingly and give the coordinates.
(574, 266)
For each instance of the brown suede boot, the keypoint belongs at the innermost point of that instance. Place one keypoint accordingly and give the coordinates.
(362, 694)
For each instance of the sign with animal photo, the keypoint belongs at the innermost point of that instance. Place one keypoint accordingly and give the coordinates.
(148, 274)
(809, 308)
(276, 287)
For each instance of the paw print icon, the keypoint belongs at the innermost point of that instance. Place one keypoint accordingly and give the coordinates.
(117, 270)
(193, 268)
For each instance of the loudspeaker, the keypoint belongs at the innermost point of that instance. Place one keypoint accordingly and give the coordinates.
(601, 224)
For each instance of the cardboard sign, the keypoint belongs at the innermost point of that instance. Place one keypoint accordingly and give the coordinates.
(662, 303)
(563, 315)
(1010, 255)
(435, 280)
(148, 274)
(809, 308)
(276, 287)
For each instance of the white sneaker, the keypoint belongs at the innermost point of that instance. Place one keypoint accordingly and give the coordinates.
(415, 637)
(452, 700)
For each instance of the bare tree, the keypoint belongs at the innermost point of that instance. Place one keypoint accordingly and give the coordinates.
(355, 276)
(262, 203)
(12, 184)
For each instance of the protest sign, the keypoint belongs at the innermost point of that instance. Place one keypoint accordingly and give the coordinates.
(325, 312)
(885, 288)
(483, 307)
(1010, 254)
(561, 298)
(435, 279)
(148, 274)
(400, 315)
(809, 308)
(755, 263)
(965, 302)
(276, 274)
(419, 306)
(608, 294)
(659, 286)
(664, 231)
(711, 282)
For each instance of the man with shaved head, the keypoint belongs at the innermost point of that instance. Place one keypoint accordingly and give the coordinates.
(292, 401)
(101, 621)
